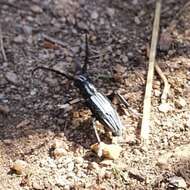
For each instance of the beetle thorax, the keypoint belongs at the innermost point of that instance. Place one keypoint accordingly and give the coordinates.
(86, 88)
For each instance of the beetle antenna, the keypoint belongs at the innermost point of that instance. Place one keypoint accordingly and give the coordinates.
(55, 71)
(84, 69)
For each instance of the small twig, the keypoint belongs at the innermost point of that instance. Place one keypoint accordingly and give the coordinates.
(53, 40)
(147, 100)
(126, 104)
(2, 46)
(166, 84)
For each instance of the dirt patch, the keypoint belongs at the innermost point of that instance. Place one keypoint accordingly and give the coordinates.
(32, 112)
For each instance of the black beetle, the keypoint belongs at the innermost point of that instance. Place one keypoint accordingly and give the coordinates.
(99, 104)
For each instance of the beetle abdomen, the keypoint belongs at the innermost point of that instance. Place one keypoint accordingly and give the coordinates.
(105, 113)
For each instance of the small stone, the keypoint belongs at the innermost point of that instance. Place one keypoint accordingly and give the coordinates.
(177, 182)
(93, 165)
(61, 181)
(57, 143)
(124, 59)
(180, 102)
(110, 12)
(59, 152)
(82, 25)
(70, 166)
(37, 186)
(19, 166)
(130, 55)
(182, 152)
(94, 15)
(165, 107)
(111, 151)
(4, 109)
(19, 39)
(11, 77)
(187, 124)
(137, 175)
(7, 141)
(101, 173)
(125, 176)
(36, 9)
(162, 161)
(27, 29)
(106, 162)
(79, 160)
(33, 92)
(66, 107)
(157, 93)
(137, 20)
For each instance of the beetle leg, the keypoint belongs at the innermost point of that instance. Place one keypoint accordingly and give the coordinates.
(95, 130)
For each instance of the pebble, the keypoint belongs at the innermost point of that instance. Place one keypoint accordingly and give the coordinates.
(30, 18)
(182, 152)
(177, 182)
(82, 25)
(66, 107)
(109, 151)
(4, 109)
(137, 20)
(11, 77)
(162, 161)
(27, 29)
(19, 166)
(7, 141)
(61, 181)
(101, 173)
(36, 9)
(130, 55)
(124, 58)
(187, 124)
(165, 107)
(70, 166)
(59, 152)
(106, 163)
(57, 143)
(110, 12)
(19, 39)
(79, 160)
(94, 15)
(157, 93)
(37, 186)
(137, 175)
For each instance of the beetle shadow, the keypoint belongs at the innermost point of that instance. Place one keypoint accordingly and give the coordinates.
(80, 132)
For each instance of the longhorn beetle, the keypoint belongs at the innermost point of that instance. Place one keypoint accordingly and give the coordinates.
(100, 106)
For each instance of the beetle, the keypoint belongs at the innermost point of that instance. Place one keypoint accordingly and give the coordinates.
(100, 106)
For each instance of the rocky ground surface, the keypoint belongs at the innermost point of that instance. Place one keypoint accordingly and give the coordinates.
(45, 137)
